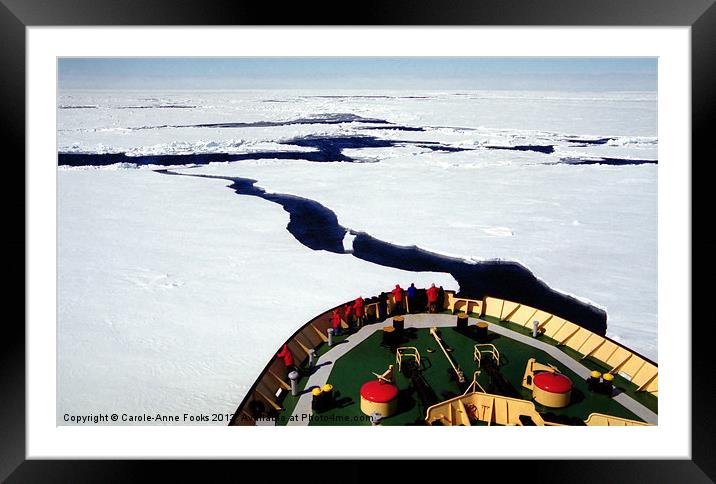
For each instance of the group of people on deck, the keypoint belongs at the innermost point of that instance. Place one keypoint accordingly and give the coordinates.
(416, 301)
(354, 313)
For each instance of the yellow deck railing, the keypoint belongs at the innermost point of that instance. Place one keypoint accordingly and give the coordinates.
(488, 349)
(403, 351)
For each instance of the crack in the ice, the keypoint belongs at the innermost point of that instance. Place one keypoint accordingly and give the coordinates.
(546, 149)
(606, 161)
(317, 227)
(328, 149)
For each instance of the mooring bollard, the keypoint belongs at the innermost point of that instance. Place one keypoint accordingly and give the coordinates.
(330, 336)
(311, 357)
(535, 328)
(293, 376)
(462, 322)
(607, 384)
(481, 331)
(375, 418)
(399, 323)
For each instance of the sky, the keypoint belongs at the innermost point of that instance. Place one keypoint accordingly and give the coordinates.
(542, 74)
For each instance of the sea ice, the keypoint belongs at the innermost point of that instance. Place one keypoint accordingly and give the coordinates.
(174, 291)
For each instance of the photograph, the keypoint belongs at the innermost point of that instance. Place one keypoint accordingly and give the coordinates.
(318, 242)
(357, 241)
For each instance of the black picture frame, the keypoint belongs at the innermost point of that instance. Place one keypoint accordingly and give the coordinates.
(16, 15)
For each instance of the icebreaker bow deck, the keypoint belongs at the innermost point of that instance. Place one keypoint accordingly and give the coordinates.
(476, 362)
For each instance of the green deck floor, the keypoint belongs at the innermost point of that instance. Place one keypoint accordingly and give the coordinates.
(354, 368)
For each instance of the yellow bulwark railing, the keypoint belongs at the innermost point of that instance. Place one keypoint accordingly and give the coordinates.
(599, 419)
(268, 388)
(620, 361)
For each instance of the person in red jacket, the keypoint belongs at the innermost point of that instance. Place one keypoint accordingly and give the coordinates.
(398, 299)
(336, 322)
(359, 311)
(288, 360)
(432, 293)
(348, 314)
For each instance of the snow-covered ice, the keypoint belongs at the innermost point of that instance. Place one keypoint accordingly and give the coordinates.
(174, 291)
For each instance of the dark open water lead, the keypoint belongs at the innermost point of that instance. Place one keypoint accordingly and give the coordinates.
(316, 227)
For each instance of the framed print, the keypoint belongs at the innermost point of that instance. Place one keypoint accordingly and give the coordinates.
(205, 205)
